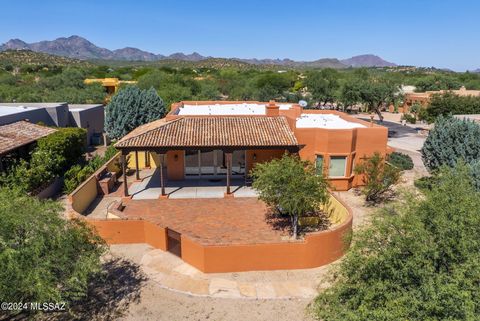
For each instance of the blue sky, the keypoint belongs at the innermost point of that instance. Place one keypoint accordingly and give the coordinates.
(441, 33)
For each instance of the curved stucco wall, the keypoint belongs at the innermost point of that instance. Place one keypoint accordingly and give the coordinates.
(315, 250)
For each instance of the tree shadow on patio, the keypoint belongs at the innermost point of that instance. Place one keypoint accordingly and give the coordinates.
(278, 221)
(311, 222)
(109, 293)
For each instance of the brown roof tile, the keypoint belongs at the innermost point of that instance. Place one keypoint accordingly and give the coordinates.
(15, 135)
(212, 132)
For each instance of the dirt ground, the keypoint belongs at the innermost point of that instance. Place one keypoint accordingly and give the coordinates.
(160, 304)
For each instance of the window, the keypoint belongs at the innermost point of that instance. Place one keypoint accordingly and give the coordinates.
(338, 165)
(319, 165)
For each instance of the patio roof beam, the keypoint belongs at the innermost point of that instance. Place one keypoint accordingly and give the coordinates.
(161, 149)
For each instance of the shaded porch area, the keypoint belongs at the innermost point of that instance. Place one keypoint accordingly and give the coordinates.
(150, 187)
(201, 157)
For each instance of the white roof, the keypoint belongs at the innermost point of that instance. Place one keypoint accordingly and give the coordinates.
(9, 110)
(227, 109)
(329, 121)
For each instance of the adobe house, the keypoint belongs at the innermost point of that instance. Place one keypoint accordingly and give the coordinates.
(423, 99)
(221, 140)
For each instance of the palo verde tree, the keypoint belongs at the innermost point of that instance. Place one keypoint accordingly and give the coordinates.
(130, 108)
(291, 186)
(418, 260)
(44, 257)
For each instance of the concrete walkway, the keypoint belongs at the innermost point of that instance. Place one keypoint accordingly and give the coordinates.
(149, 188)
(172, 273)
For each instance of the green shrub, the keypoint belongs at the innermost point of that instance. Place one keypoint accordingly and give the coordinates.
(450, 140)
(425, 183)
(378, 178)
(44, 258)
(409, 118)
(401, 161)
(77, 174)
(417, 260)
(66, 145)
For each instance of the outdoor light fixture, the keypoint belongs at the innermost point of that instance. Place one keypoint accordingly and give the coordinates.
(175, 157)
(254, 156)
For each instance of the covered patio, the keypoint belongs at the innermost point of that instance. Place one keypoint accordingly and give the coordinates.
(201, 157)
(150, 187)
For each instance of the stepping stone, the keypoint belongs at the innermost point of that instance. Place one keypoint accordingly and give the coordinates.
(223, 288)
(247, 289)
(265, 291)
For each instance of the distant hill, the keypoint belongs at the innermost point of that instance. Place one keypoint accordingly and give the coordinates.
(18, 58)
(80, 48)
(367, 61)
(476, 70)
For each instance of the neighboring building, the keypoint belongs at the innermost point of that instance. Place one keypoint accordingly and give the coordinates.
(111, 85)
(90, 117)
(222, 139)
(473, 117)
(423, 99)
(17, 139)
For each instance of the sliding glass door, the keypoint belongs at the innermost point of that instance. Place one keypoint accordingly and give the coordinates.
(212, 163)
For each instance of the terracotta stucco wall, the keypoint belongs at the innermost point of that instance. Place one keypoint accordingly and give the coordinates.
(176, 165)
(317, 249)
(260, 156)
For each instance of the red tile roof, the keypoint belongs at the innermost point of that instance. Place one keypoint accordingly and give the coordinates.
(212, 132)
(15, 135)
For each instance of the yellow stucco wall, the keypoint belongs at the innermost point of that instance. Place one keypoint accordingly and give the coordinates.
(84, 195)
(336, 211)
(154, 160)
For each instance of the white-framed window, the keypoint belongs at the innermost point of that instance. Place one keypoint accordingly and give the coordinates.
(319, 164)
(338, 166)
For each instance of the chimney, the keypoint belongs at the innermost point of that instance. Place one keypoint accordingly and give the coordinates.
(272, 109)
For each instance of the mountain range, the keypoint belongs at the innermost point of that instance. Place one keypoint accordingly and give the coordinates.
(80, 48)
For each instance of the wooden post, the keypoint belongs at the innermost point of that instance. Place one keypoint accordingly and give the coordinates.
(162, 180)
(124, 170)
(137, 172)
(229, 170)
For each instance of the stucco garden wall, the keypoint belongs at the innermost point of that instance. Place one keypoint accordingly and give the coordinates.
(81, 198)
(315, 250)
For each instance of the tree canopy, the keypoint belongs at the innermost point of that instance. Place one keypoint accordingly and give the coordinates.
(450, 140)
(44, 257)
(290, 186)
(130, 108)
(418, 260)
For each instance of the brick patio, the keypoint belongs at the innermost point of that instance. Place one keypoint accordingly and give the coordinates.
(210, 221)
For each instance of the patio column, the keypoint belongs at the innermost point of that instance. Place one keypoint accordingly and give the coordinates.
(137, 172)
(147, 159)
(162, 179)
(228, 158)
(124, 171)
